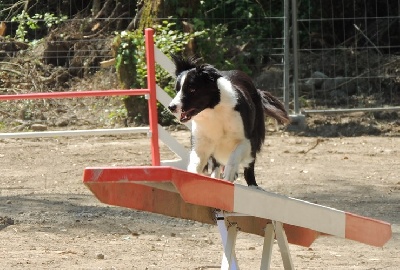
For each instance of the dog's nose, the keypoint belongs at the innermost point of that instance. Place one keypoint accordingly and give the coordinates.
(172, 107)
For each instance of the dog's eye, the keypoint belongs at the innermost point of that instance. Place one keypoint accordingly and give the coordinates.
(192, 90)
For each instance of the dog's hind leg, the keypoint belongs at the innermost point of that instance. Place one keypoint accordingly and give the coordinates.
(249, 175)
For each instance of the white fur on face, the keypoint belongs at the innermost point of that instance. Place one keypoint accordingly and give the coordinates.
(177, 100)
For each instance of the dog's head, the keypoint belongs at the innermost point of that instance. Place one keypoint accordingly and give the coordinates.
(196, 87)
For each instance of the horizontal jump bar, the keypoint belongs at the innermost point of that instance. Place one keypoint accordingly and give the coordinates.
(64, 133)
(332, 111)
(96, 93)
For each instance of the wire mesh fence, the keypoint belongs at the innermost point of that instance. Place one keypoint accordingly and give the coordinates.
(348, 51)
(348, 55)
(81, 36)
(252, 34)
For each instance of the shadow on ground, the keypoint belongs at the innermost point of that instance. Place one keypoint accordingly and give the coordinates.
(74, 210)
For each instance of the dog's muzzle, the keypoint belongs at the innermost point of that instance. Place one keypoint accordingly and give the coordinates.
(173, 108)
(185, 115)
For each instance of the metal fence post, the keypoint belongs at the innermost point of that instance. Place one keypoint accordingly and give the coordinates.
(286, 57)
(295, 59)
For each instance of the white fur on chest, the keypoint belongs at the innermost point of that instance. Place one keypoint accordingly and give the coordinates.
(220, 130)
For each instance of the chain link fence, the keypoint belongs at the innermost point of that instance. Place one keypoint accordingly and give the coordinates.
(348, 55)
(80, 37)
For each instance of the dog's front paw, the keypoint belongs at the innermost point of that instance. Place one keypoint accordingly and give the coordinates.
(230, 173)
(192, 168)
(256, 187)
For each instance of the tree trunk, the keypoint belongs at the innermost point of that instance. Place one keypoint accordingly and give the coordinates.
(96, 7)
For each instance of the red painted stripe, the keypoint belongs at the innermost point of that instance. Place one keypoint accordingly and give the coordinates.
(203, 190)
(194, 188)
(367, 230)
(152, 100)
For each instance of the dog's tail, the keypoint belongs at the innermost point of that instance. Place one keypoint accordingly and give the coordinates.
(273, 107)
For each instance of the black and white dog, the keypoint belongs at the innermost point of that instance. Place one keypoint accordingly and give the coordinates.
(227, 113)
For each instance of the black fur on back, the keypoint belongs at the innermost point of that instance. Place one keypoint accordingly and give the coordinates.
(250, 108)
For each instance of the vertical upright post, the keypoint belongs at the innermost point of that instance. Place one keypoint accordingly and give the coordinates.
(286, 54)
(295, 59)
(152, 100)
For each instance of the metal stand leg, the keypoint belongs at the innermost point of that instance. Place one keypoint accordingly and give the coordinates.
(283, 246)
(228, 235)
(230, 247)
(272, 230)
(269, 238)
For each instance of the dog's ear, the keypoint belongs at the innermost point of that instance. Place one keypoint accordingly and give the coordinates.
(209, 72)
(182, 63)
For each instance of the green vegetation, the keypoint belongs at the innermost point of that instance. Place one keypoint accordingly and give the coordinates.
(37, 21)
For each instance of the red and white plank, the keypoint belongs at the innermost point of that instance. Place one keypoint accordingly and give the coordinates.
(132, 186)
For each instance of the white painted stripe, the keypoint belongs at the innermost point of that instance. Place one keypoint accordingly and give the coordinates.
(162, 96)
(164, 61)
(173, 144)
(63, 133)
(288, 210)
(177, 163)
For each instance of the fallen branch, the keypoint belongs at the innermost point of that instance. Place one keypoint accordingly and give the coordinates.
(12, 71)
(319, 140)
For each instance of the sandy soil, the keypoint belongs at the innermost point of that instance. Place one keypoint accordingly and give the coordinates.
(50, 220)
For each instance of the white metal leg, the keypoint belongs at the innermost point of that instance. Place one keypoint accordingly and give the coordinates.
(228, 236)
(283, 246)
(230, 247)
(269, 238)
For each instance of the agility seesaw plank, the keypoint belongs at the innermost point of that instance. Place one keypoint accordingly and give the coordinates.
(177, 193)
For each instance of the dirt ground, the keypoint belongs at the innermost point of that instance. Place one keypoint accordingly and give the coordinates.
(50, 220)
